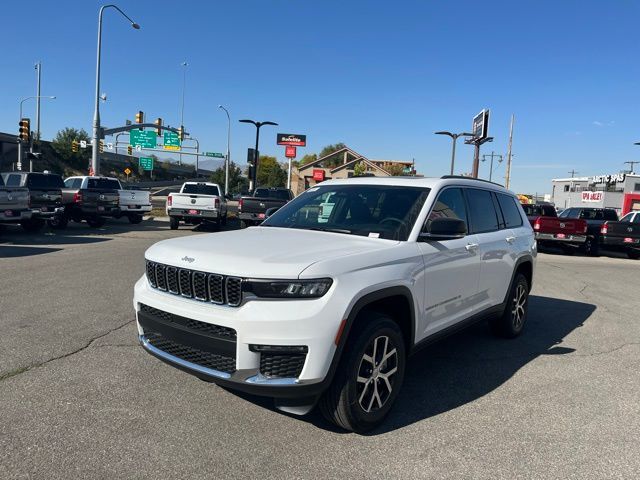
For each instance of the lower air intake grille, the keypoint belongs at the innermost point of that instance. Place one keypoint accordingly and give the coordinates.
(210, 360)
(281, 366)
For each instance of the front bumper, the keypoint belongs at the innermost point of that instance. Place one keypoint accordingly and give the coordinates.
(263, 323)
(568, 238)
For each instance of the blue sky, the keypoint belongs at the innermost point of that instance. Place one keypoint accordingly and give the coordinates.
(379, 76)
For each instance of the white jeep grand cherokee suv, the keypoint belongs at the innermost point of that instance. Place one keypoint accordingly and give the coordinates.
(312, 309)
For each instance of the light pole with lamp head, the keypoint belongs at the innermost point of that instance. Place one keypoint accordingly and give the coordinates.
(454, 138)
(38, 97)
(95, 164)
(184, 66)
(254, 177)
(227, 158)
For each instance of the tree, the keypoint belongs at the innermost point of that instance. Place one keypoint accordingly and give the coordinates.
(395, 169)
(237, 183)
(270, 172)
(62, 146)
(359, 169)
(329, 149)
(308, 158)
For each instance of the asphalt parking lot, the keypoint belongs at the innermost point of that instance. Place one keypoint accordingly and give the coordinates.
(80, 399)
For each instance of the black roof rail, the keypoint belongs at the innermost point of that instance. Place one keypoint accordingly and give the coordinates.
(462, 177)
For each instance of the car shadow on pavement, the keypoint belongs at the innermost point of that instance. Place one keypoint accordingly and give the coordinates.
(472, 363)
(14, 252)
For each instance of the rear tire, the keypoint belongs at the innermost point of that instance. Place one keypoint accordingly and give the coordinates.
(96, 222)
(512, 321)
(591, 247)
(173, 223)
(633, 254)
(135, 218)
(224, 219)
(59, 222)
(32, 225)
(369, 375)
(243, 224)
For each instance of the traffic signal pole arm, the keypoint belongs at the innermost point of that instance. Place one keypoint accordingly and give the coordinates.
(137, 126)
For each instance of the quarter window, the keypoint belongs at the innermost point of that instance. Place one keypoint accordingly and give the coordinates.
(482, 213)
(510, 211)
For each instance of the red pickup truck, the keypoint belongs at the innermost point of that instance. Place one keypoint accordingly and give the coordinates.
(568, 234)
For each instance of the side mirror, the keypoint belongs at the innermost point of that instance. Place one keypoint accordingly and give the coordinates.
(270, 211)
(444, 229)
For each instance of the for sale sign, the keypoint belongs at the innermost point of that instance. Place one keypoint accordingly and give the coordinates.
(318, 175)
(292, 139)
(290, 152)
(592, 196)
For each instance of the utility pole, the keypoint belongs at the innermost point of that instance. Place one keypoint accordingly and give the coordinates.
(507, 177)
(573, 172)
(184, 85)
(38, 67)
(632, 163)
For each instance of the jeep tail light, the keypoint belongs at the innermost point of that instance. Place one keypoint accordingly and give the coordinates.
(239, 204)
(169, 200)
(77, 197)
(536, 224)
(604, 229)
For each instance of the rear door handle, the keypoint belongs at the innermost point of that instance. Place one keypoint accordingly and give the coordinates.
(510, 239)
(471, 247)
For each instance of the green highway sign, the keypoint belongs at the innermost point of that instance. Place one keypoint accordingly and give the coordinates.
(144, 138)
(171, 140)
(146, 163)
(214, 154)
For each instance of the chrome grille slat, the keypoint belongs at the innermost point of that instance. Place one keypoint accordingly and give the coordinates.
(201, 286)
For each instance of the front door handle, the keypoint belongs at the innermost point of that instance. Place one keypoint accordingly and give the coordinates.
(510, 239)
(471, 247)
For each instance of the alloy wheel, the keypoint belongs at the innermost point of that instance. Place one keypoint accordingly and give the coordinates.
(376, 371)
(518, 310)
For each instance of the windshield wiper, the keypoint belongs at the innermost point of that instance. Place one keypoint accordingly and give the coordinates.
(326, 229)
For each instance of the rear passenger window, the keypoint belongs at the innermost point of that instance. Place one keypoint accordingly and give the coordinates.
(450, 204)
(482, 213)
(13, 181)
(510, 211)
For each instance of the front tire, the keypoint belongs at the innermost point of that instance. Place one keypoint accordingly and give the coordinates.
(511, 323)
(369, 376)
(173, 223)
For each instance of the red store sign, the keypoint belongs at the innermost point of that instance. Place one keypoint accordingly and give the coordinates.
(592, 196)
(318, 175)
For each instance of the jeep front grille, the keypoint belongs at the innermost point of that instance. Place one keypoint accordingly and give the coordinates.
(201, 286)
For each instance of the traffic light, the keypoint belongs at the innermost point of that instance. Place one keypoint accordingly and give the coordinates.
(101, 146)
(181, 132)
(74, 146)
(140, 117)
(25, 130)
(129, 150)
(158, 123)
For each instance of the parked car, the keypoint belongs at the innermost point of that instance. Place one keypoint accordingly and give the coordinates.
(328, 312)
(196, 203)
(568, 234)
(14, 204)
(595, 218)
(134, 203)
(91, 199)
(252, 209)
(623, 235)
(45, 196)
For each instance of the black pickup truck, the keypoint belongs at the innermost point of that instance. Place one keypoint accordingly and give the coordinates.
(45, 196)
(252, 209)
(595, 218)
(623, 235)
(91, 199)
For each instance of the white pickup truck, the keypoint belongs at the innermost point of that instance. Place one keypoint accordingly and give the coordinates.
(14, 204)
(133, 203)
(197, 202)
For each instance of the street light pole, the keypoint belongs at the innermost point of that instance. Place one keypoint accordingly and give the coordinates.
(184, 86)
(37, 97)
(95, 163)
(253, 180)
(454, 138)
(227, 158)
(499, 157)
(38, 67)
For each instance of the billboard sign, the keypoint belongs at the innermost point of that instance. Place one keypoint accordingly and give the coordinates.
(292, 139)
(592, 196)
(290, 152)
(480, 127)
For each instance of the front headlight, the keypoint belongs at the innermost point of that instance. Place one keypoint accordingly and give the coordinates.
(288, 288)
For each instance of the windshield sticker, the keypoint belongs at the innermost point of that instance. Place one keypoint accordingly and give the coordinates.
(374, 235)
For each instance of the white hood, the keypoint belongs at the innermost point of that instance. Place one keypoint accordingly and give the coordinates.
(260, 252)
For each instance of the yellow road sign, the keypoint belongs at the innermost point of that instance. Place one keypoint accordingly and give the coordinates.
(127, 171)
(172, 147)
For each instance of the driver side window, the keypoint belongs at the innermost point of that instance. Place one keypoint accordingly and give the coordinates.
(450, 204)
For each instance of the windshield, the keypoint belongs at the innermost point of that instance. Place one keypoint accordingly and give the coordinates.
(272, 193)
(200, 189)
(378, 211)
(538, 210)
(103, 183)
